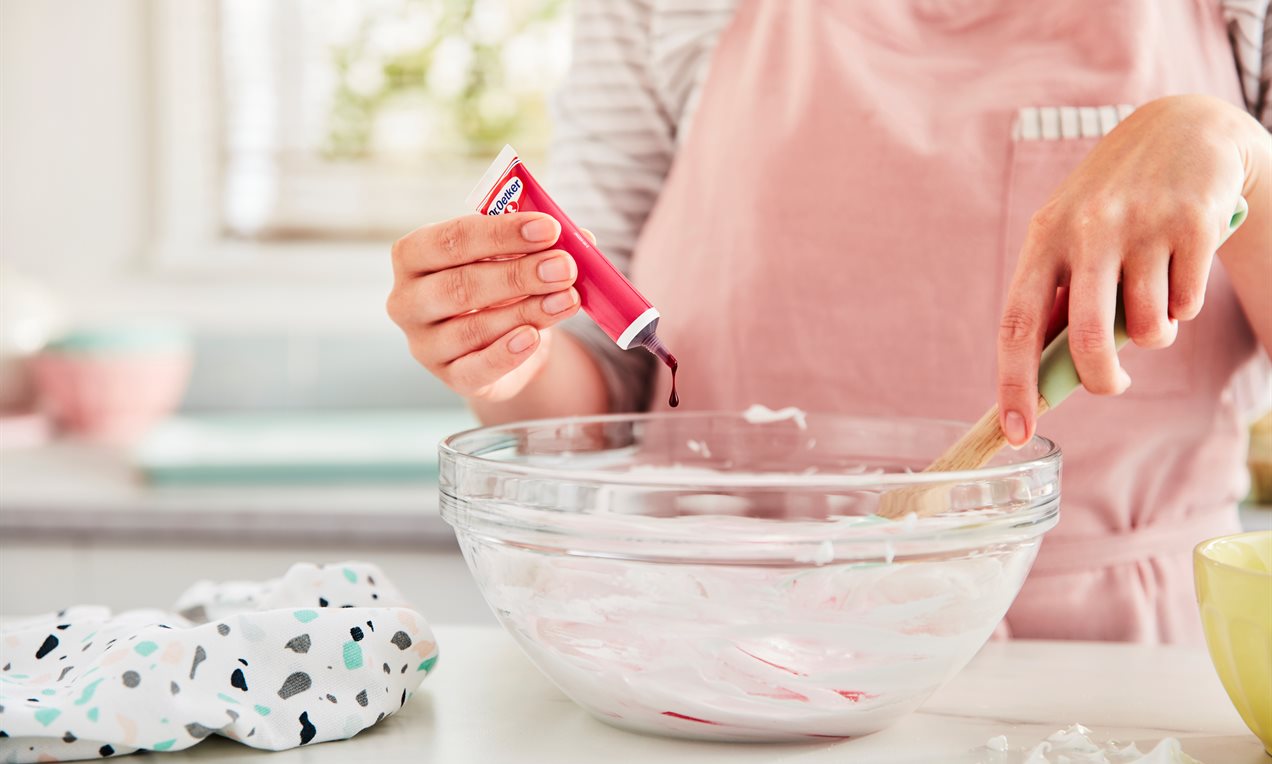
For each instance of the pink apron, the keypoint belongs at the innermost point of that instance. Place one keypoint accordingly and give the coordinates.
(839, 229)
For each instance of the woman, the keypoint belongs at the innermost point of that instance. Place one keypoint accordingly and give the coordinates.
(828, 200)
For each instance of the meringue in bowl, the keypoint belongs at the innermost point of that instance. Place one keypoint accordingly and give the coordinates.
(723, 576)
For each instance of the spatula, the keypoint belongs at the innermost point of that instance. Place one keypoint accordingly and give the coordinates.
(1057, 379)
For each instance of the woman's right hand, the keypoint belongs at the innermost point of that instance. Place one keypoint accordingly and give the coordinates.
(476, 296)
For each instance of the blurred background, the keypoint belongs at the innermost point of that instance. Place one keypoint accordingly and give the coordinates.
(197, 375)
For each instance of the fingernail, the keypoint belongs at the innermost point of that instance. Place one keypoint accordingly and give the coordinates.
(554, 269)
(1014, 429)
(556, 303)
(1123, 381)
(539, 229)
(521, 341)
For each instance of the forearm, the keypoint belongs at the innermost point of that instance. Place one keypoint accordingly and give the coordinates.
(569, 384)
(1247, 256)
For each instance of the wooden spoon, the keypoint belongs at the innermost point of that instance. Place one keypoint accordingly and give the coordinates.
(1057, 378)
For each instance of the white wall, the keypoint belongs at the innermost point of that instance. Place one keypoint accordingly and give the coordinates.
(74, 129)
(79, 169)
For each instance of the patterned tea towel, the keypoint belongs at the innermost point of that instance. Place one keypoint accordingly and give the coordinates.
(320, 654)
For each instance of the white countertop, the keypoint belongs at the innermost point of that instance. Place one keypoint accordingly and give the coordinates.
(486, 704)
(68, 489)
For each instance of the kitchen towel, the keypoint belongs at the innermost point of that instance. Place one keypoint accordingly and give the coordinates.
(320, 654)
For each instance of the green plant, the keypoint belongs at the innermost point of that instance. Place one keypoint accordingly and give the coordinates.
(485, 105)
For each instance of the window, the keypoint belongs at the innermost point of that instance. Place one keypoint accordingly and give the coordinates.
(360, 119)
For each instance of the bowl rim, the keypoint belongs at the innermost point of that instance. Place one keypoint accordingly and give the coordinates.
(674, 481)
(1201, 553)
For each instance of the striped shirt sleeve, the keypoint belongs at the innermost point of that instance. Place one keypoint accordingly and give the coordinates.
(611, 151)
(1250, 28)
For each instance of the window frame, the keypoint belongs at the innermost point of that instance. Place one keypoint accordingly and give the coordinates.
(189, 265)
(188, 237)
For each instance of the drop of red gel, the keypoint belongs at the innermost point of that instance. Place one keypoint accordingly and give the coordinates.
(653, 345)
(674, 400)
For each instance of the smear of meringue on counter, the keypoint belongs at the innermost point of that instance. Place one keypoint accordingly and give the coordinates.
(1076, 746)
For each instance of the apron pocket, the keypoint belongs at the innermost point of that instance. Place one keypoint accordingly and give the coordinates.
(1048, 143)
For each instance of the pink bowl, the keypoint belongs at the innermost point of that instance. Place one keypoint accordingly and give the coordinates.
(112, 397)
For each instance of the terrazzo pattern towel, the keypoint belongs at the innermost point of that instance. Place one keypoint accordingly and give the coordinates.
(320, 654)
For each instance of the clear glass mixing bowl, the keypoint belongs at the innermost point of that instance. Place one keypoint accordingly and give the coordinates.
(714, 576)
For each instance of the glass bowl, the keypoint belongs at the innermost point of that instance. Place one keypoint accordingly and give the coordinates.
(723, 576)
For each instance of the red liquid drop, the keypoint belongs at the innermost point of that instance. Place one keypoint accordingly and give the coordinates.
(655, 346)
(674, 400)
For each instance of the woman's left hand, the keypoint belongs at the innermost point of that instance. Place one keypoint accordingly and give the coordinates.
(1147, 208)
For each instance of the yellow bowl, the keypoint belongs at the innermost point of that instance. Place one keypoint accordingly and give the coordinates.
(1234, 591)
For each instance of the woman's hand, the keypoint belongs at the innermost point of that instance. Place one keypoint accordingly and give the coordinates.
(476, 296)
(1147, 208)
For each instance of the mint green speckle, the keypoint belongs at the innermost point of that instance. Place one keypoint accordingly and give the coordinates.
(352, 655)
(226, 698)
(163, 721)
(145, 648)
(350, 576)
(92, 713)
(88, 692)
(262, 710)
(91, 634)
(46, 716)
(305, 616)
(428, 664)
(47, 692)
(163, 745)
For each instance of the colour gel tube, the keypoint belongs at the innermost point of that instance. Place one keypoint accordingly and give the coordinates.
(604, 292)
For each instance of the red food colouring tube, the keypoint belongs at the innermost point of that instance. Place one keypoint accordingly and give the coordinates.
(604, 292)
